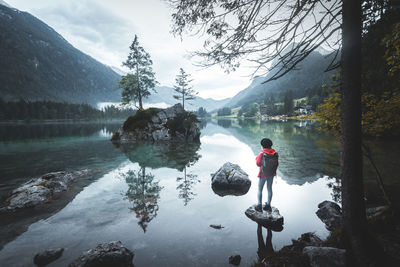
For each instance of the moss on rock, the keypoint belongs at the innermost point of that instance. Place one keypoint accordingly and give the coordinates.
(181, 123)
(140, 119)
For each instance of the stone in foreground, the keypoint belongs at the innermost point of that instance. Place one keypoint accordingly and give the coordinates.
(230, 179)
(331, 214)
(41, 190)
(47, 256)
(325, 256)
(104, 255)
(269, 219)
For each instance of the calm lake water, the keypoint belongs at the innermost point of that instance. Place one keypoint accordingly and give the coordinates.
(157, 199)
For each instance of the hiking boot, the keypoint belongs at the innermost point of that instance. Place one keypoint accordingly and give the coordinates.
(258, 208)
(267, 207)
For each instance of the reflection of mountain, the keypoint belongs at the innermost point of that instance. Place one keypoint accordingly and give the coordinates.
(159, 155)
(304, 154)
(143, 193)
(185, 186)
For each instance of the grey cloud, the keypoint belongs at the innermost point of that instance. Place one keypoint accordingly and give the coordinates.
(90, 21)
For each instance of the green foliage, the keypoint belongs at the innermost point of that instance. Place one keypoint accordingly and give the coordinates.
(137, 85)
(46, 110)
(224, 111)
(379, 114)
(329, 114)
(140, 119)
(185, 92)
(201, 112)
(252, 110)
(392, 53)
(288, 102)
(335, 239)
(181, 123)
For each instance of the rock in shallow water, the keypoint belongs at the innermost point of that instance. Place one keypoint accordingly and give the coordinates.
(47, 256)
(269, 219)
(325, 256)
(105, 255)
(230, 179)
(331, 214)
(40, 190)
(235, 260)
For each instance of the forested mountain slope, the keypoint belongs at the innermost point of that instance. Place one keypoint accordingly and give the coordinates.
(37, 63)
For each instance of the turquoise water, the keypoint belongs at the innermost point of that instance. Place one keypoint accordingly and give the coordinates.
(157, 199)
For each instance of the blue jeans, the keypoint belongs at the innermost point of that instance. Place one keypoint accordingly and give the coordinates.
(261, 183)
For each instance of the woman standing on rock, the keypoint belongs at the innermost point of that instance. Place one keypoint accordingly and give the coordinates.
(267, 160)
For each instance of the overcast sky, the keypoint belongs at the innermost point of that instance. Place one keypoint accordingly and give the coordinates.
(105, 29)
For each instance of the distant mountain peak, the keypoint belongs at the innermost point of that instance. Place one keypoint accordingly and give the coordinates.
(5, 4)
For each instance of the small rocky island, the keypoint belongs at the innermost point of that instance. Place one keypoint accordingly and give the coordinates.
(154, 124)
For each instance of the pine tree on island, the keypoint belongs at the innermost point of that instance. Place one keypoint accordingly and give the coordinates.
(137, 85)
(182, 87)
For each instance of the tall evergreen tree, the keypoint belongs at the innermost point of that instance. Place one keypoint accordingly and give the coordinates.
(237, 29)
(137, 85)
(182, 87)
(288, 102)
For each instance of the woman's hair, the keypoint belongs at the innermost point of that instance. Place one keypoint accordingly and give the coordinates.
(266, 143)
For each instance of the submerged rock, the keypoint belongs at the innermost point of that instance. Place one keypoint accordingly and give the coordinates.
(216, 226)
(105, 255)
(269, 219)
(153, 124)
(41, 190)
(47, 256)
(331, 214)
(325, 256)
(230, 179)
(235, 260)
(376, 212)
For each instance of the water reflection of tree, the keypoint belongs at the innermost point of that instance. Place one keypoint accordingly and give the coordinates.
(224, 123)
(143, 193)
(185, 186)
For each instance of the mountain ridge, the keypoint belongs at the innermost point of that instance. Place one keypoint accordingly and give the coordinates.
(39, 64)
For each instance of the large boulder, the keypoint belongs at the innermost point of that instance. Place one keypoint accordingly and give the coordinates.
(47, 256)
(230, 179)
(269, 219)
(105, 255)
(331, 214)
(325, 256)
(41, 190)
(153, 124)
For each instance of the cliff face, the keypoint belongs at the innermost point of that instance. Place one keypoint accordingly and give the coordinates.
(171, 124)
(36, 63)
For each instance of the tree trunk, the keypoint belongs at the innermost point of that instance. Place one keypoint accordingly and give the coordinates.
(183, 101)
(354, 218)
(139, 90)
